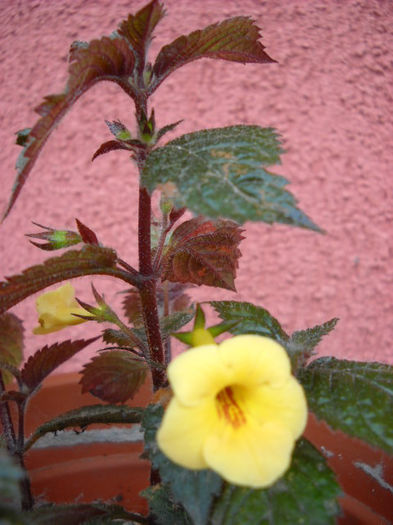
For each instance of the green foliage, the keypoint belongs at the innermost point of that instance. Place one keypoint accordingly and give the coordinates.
(195, 490)
(11, 344)
(114, 376)
(203, 252)
(250, 319)
(220, 173)
(165, 511)
(351, 396)
(48, 358)
(305, 495)
(85, 416)
(301, 344)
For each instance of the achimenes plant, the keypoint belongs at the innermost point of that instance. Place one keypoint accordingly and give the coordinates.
(227, 447)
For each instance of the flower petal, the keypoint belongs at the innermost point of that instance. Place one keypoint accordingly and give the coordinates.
(253, 456)
(285, 406)
(255, 360)
(197, 375)
(183, 432)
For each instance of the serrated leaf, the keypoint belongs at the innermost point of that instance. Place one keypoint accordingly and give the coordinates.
(48, 358)
(138, 29)
(114, 376)
(305, 495)
(301, 344)
(203, 252)
(132, 307)
(195, 490)
(78, 514)
(250, 319)
(221, 173)
(105, 59)
(173, 322)
(117, 337)
(235, 39)
(90, 260)
(163, 508)
(352, 396)
(85, 416)
(11, 344)
(169, 127)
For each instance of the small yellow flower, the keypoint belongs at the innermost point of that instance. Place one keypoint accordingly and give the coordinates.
(236, 409)
(55, 309)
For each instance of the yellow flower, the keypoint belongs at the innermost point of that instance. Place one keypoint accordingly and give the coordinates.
(55, 309)
(236, 409)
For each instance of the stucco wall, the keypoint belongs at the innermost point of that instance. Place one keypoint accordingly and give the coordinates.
(330, 97)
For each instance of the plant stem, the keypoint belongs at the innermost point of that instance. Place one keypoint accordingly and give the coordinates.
(6, 421)
(27, 500)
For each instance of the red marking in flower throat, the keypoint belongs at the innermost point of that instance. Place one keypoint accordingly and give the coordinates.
(228, 408)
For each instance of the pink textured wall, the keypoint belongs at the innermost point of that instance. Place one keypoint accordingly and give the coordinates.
(331, 98)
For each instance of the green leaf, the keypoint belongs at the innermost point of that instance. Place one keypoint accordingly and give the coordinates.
(220, 173)
(173, 322)
(351, 396)
(301, 344)
(11, 343)
(109, 58)
(235, 39)
(48, 358)
(195, 490)
(85, 416)
(57, 239)
(203, 252)
(114, 376)
(117, 337)
(164, 509)
(90, 260)
(305, 495)
(250, 319)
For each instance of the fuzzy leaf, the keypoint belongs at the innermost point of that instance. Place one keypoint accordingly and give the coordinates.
(48, 358)
(105, 59)
(203, 252)
(79, 513)
(235, 39)
(85, 416)
(220, 173)
(132, 307)
(165, 511)
(173, 322)
(250, 319)
(306, 494)
(138, 29)
(90, 260)
(195, 490)
(57, 239)
(117, 337)
(11, 344)
(110, 145)
(114, 376)
(351, 396)
(301, 345)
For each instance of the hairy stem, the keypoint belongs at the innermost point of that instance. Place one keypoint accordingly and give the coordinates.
(6, 421)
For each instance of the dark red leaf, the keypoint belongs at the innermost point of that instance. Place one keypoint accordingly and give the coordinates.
(113, 376)
(104, 59)
(203, 252)
(48, 358)
(138, 28)
(110, 145)
(235, 39)
(11, 343)
(88, 236)
(90, 260)
(133, 308)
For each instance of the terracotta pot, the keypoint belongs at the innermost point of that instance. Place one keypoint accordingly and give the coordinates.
(114, 470)
(110, 470)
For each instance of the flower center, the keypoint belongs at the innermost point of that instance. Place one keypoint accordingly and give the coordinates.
(228, 407)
